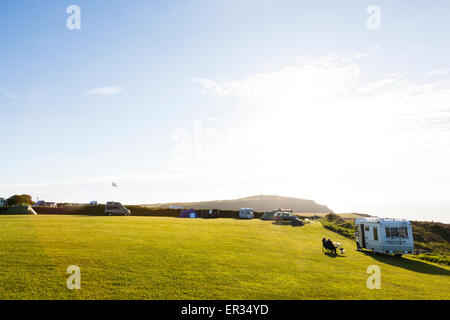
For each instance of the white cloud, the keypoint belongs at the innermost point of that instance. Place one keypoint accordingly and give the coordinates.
(8, 94)
(334, 84)
(105, 91)
(440, 72)
(337, 127)
(307, 78)
(360, 55)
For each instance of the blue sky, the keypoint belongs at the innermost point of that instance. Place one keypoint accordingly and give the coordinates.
(83, 108)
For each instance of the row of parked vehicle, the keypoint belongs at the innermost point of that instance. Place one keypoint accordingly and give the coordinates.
(279, 215)
(118, 209)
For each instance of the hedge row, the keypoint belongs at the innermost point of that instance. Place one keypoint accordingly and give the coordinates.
(342, 231)
(339, 225)
(99, 210)
(436, 258)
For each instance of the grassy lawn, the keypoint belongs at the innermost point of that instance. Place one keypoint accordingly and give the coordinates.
(170, 258)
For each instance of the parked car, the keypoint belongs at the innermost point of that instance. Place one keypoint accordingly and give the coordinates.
(116, 209)
(246, 213)
(213, 213)
(284, 216)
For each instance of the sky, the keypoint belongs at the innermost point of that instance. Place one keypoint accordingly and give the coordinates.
(345, 103)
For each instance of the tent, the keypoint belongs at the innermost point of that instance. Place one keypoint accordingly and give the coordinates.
(20, 210)
(269, 215)
(188, 214)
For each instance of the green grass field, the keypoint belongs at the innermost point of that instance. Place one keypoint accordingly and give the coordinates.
(170, 258)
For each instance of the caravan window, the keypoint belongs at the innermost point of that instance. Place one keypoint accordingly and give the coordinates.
(375, 233)
(401, 232)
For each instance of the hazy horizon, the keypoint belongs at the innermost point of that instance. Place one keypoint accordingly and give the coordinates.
(419, 211)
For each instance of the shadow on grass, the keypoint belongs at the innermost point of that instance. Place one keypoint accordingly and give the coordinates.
(282, 223)
(285, 223)
(332, 255)
(409, 264)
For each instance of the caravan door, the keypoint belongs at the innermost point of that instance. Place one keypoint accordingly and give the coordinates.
(362, 236)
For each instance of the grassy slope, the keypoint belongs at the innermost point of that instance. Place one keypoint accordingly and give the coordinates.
(170, 258)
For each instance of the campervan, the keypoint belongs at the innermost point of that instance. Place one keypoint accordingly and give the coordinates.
(116, 209)
(246, 213)
(384, 236)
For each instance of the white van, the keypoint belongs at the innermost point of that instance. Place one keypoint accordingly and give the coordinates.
(384, 236)
(116, 209)
(246, 213)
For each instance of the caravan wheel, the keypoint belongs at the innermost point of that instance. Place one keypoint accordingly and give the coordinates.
(398, 255)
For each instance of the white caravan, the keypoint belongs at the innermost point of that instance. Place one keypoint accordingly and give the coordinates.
(246, 213)
(385, 236)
